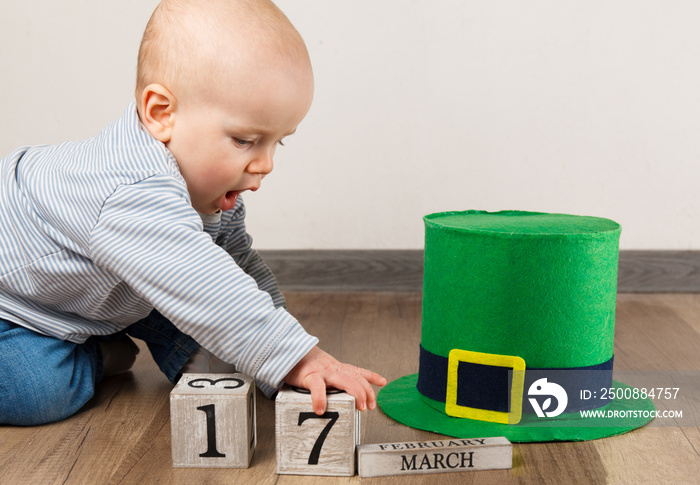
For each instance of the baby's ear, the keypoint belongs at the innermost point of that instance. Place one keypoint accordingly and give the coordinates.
(156, 111)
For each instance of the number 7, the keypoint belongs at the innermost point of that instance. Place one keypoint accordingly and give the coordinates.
(316, 450)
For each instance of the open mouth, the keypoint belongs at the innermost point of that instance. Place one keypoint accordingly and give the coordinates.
(228, 201)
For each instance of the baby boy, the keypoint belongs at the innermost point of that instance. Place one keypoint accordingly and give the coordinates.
(139, 231)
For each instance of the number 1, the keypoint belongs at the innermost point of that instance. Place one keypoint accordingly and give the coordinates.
(211, 452)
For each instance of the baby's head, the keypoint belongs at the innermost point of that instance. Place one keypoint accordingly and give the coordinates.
(220, 83)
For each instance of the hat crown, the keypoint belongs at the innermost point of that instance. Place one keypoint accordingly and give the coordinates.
(534, 285)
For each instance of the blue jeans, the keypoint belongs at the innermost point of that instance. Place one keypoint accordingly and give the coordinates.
(44, 379)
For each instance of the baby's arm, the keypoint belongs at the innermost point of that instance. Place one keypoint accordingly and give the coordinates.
(317, 369)
(236, 241)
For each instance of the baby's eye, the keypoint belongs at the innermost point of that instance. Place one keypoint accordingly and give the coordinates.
(241, 142)
(280, 142)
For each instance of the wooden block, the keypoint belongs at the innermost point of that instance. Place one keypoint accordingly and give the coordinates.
(455, 455)
(308, 444)
(212, 421)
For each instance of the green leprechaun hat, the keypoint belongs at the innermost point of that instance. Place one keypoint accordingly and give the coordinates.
(518, 327)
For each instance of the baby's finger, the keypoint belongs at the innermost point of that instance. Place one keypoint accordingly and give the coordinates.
(367, 400)
(358, 373)
(317, 387)
(351, 381)
(371, 398)
(368, 377)
(372, 377)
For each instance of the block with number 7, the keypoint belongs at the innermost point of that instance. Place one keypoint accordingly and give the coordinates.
(309, 444)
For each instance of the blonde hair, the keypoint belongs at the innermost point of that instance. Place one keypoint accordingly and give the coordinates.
(185, 40)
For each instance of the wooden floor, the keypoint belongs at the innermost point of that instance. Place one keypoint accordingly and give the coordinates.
(124, 434)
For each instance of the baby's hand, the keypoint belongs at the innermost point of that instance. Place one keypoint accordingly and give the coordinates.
(317, 369)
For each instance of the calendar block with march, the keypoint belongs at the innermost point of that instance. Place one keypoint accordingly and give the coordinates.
(309, 444)
(212, 419)
(439, 456)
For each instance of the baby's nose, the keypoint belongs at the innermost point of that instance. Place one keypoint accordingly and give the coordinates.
(262, 165)
(267, 165)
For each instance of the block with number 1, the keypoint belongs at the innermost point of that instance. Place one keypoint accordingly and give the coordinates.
(212, 418)
(309, 444)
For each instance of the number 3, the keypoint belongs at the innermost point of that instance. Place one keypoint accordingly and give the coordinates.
(316, 450)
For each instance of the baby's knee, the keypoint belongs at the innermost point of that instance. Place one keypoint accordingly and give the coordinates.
(37, 395)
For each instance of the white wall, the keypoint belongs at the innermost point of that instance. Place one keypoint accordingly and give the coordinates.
(560, 106)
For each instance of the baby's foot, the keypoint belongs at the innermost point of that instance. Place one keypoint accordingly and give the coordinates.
(117, 355)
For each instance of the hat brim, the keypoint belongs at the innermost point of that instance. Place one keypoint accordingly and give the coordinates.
(401, 401)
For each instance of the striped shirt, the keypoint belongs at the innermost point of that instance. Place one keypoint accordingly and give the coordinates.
(96, 233)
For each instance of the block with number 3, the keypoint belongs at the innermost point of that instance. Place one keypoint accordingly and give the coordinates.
(309, 444)
(212, 419)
